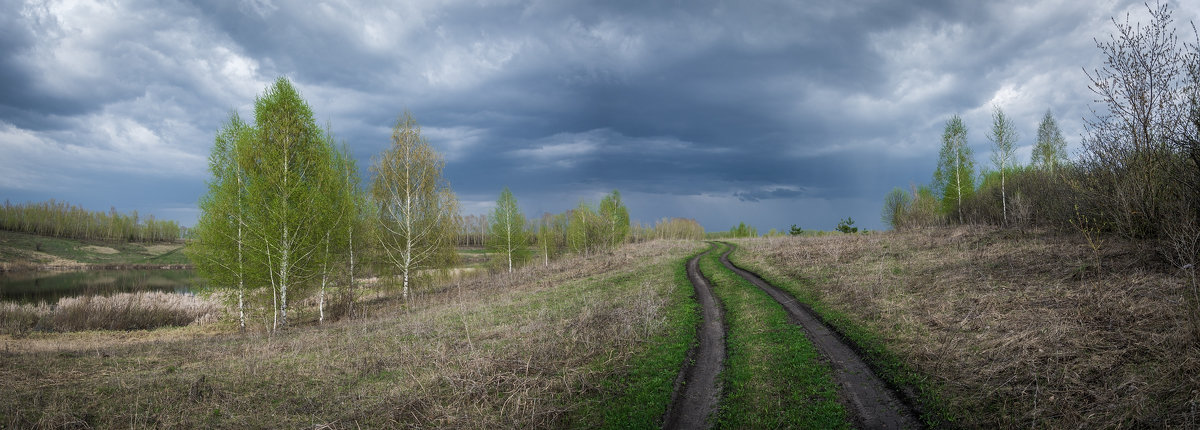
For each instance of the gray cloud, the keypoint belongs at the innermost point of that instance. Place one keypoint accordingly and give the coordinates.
(777, 112)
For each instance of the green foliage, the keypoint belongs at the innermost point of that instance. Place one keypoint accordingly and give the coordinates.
(417, 210)
(847, 226)
(678, 228)
(584, 229)
(954, 179)
(61, 219)
(1050, 149)
(276, 201)
(795, 231)
(615, 219)
(507, 238)
(1003, 137)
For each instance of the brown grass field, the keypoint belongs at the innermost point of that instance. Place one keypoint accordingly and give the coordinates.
(1000, 328)
(1010, 329)
(538, 348)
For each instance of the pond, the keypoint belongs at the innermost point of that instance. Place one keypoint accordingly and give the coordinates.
(34, 287)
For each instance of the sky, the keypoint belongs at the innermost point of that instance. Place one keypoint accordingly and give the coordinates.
(771, 113)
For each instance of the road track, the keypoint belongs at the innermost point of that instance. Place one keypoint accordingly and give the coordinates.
(697, 396)
(871, 403)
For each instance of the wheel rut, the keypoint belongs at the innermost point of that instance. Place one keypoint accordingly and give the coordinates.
(696, 398)
(872, 404)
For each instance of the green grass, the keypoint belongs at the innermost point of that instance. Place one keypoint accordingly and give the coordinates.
(650, 381)
(21, 248)
(886, 364)
(773, 375)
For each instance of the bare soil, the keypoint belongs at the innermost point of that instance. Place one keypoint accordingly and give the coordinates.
(696, 398)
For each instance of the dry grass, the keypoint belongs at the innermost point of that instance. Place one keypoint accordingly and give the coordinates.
(537, 348)
(1017, 330)
(122, 311)
(100, 249)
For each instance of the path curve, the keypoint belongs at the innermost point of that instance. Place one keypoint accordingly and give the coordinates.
(872, 404)
(696, 398)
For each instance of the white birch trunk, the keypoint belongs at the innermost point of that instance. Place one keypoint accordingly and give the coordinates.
(958, 180)
(324, 281)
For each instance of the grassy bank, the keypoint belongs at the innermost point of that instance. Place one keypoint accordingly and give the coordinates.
(544, 347)
(1003, 329)
(27, 251)
(773, 375)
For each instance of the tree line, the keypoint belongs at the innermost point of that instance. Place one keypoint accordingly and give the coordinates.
(1137, 175)
(286, 217)
(61, 219)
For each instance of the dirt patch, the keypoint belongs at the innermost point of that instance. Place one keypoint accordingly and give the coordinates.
(162, 248)
(696, 397)
(100, 249)
(867, 397)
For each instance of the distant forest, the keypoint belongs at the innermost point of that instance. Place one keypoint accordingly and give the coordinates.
(61, 219)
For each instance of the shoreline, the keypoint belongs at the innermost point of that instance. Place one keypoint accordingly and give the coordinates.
(11, 267)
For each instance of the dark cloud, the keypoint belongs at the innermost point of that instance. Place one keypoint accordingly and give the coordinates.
(772, 112)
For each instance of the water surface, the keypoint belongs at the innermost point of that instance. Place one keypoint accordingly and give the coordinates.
(33, 287)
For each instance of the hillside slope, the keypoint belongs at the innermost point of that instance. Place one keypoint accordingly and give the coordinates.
(1007, 329)
(27, 251)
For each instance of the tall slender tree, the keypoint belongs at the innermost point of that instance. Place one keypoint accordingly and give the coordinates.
(1050, 149)
(1004, 138)
(507, 236)
(289, 179)
(271, 203)
(615, 217)
(417, 209)
(954, 178)
(219, 248)
(582, 229)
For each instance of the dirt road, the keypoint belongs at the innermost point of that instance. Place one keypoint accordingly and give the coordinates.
(870, 401)
(696, 398)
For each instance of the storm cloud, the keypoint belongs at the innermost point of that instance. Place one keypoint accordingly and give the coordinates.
(772, 113)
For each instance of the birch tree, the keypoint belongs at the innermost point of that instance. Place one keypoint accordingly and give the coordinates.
(417, 209)
(615, 218)
(507, 235)
(1050, 149)
(954, 179)
(288, 168)
(1003, 137)
(344, 207)
(271, 203)
(582, 229)
(219, 248)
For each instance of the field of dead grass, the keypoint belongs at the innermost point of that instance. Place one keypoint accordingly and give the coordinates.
(1008, 329)
(543, 347)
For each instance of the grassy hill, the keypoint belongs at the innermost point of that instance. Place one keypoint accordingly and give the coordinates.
(22, 250)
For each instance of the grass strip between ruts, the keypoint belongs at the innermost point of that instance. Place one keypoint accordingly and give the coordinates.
(773, 375)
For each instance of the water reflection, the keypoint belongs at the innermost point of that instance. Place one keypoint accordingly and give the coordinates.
(33, 287)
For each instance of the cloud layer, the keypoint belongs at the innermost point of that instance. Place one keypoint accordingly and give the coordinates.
(774, 113)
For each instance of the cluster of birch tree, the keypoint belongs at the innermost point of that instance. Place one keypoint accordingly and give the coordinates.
(585, 230)
(61, 219)
(953, 195)
(286, 218)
